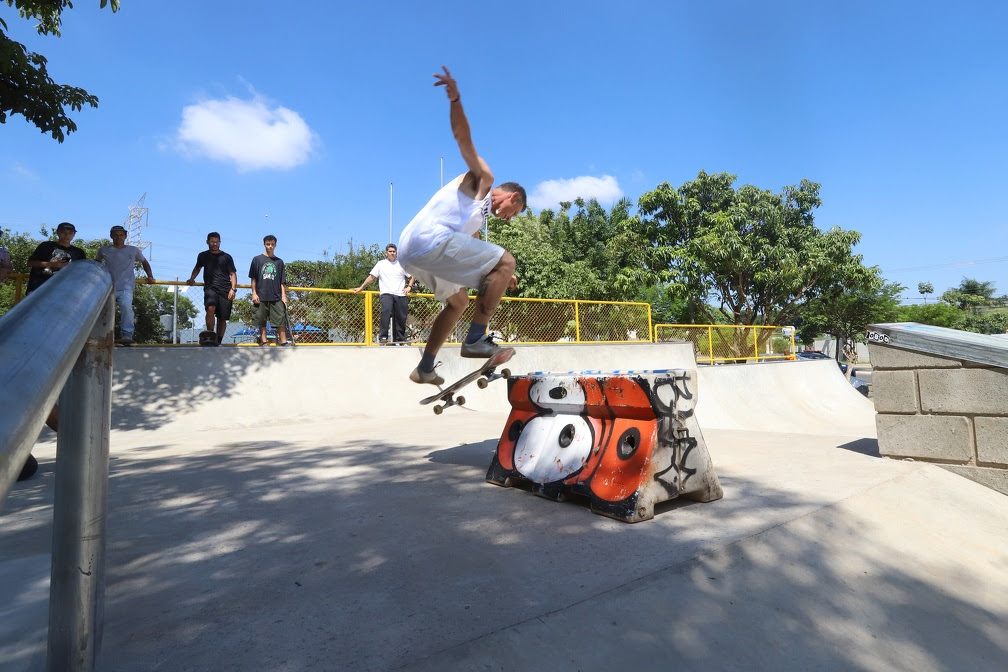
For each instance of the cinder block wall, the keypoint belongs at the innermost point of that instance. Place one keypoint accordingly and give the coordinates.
(948, 411)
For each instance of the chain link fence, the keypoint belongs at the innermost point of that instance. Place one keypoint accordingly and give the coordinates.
(338, 316)
(731, 343)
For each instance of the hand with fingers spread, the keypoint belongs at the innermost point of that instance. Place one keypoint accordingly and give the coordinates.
(446, 80)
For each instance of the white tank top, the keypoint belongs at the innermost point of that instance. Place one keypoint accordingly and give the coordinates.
(448, 211)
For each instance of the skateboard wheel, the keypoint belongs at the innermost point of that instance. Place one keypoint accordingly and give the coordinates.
(506, 373)
(438, 409)
(459, 401)
(482, 383)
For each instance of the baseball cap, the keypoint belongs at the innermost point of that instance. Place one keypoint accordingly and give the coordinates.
(115, 228)
(66, 226)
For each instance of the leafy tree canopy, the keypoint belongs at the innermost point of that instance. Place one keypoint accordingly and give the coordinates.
(757, 254)
(26, 87)
(588, 254)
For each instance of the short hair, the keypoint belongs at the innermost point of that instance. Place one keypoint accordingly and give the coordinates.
(212, 234)
(515, 188)
(392, 245)
(269, 237)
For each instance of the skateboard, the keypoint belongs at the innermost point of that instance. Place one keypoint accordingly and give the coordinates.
(208, 338)
(290, 332)
(483, 375)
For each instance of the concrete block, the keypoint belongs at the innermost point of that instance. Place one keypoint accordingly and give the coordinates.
(992, 440)
(995, 479)
(888, 357)
(623, 441)
(925, 437)
(968, 391)
(894, 391)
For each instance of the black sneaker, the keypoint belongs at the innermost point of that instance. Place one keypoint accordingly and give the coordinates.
(481, 349)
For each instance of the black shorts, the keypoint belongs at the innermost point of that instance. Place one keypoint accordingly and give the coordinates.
(211, 297)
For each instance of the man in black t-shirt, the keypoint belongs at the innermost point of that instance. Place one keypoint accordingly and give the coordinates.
(220, 282)
(52, 255)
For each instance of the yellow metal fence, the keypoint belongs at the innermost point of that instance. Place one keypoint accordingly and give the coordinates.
(731, 343)
(338, 316)
(341, 317)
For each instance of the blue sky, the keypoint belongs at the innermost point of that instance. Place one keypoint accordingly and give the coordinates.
(251, 117)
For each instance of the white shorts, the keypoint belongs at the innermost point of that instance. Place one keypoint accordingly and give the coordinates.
(460, 261)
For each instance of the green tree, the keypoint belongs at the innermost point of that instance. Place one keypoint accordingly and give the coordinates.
(750, 253)
(25, 85)
(590, 254)
(348, 270)
(976, 288)
(925, 288)
(847, 313)
(150, 302)
(937, 314)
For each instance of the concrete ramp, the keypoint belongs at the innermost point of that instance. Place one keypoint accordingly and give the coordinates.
(803, 397)
(226, 388)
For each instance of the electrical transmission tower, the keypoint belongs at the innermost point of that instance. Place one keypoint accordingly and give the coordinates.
(136, 218)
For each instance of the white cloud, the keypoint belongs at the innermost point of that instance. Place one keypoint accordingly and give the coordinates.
(548, 194)
(248, 133)
(20, 170)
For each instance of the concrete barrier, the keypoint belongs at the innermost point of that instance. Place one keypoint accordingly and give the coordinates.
(940, 396)
(625, 442)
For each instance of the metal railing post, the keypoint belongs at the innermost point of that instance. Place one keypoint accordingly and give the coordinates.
(80, 504)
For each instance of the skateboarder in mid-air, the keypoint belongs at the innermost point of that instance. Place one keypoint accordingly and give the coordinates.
(441, 246)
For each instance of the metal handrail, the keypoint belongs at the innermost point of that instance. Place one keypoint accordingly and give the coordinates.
(57, 343)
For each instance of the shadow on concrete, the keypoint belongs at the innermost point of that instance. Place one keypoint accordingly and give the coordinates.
(375, 555)
(866, 446)
(152, 389)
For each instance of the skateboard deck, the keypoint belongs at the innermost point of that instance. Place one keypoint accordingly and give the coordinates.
(483, 375)
(208, 338)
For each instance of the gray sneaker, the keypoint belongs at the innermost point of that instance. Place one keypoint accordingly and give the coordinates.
(481, 349)
(432, 377)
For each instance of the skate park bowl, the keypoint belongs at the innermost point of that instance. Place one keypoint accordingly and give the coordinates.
(296, 508)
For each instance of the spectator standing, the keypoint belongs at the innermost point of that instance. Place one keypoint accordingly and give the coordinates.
(6, 266)
(52, 255)
(220, 283)
(49, 257)
(393, 289)
(120, 260)
(269, 291)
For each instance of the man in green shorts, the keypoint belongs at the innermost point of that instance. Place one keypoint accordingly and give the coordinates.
(269, 292)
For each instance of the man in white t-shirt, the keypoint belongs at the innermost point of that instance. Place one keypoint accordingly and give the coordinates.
(441, 246)
(120, 260)
(392, 288)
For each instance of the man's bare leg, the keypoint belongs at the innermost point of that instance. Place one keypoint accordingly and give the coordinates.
(490, 291)
(221, 328)
(442, 327)
(446, 321)
(211, 311)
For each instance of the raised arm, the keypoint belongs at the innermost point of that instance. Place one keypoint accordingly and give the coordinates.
(478, 181)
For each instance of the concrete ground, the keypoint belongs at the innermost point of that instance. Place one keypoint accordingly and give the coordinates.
(367, 538)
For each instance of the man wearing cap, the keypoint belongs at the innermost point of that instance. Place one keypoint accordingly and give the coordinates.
(120, 261)
(52, 255)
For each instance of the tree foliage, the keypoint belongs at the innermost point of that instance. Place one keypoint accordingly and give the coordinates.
(150, 302)
(847, 313)
(587, 254)
(755, 255)
(26, 88)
